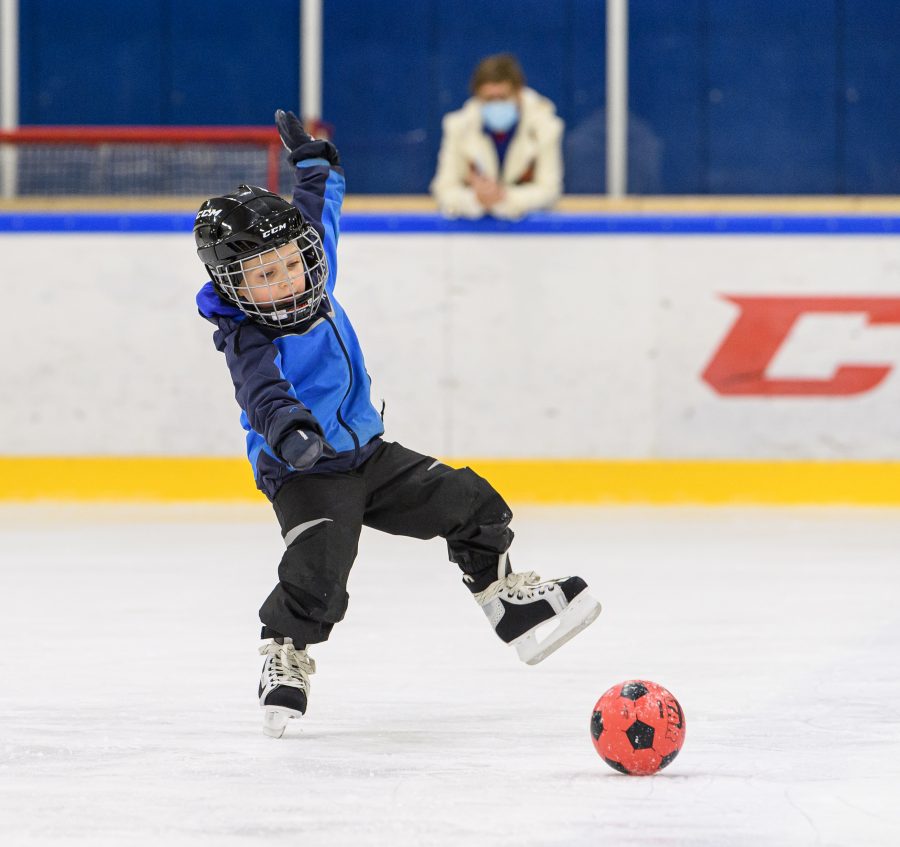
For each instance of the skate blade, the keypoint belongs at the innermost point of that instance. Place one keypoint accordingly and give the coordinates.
(275, 720)
(578, 615)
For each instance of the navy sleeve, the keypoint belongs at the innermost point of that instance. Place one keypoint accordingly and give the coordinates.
(319, 195)
(261, 389)
(314, 162)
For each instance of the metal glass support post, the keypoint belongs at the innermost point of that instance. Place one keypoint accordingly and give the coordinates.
(9, 92)
(616, 98)
(311, 62)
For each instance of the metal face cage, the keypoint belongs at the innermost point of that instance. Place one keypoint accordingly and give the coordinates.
(281, 286)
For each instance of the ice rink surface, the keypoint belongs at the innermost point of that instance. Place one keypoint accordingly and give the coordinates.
(128, 710)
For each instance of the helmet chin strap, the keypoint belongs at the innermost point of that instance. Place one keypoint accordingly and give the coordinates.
(283, 314)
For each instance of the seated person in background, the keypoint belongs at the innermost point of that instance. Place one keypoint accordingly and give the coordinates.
(501, 153)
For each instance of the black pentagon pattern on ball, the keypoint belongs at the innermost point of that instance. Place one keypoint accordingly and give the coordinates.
(596, 725)
(633, 691)
(667, 759)
(640, 735)
(680, 723)
(615, 765)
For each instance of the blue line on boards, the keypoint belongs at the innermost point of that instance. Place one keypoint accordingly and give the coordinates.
(539, 224)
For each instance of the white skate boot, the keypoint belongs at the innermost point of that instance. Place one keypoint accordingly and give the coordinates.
(283, 684)
(518, 605)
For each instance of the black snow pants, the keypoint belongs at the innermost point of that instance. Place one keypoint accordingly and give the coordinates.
(396, 491)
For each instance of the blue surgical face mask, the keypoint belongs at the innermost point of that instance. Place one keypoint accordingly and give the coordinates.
(499, 115)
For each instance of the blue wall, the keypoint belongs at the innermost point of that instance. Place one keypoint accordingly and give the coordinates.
(743, 96)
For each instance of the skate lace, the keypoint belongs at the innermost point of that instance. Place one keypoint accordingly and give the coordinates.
(518, 585)
(288, 666)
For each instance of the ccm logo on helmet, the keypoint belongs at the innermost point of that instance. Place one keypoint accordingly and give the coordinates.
(267, 232)
(209, 213)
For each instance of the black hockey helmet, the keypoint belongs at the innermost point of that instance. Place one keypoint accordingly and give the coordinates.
(262, 255)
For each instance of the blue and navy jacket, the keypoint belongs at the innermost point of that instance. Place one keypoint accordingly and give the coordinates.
(314, 373)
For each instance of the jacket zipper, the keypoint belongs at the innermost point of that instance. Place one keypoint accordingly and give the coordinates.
(340, 417)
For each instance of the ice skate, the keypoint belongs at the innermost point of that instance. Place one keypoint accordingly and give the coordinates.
(521, 608)
(283, 684)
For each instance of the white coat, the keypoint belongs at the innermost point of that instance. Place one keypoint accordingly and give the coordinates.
(532, 168)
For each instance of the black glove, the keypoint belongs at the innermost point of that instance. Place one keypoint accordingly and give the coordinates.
(299, 143)
(301, 449)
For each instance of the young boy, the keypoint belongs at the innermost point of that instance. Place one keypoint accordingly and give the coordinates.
(314, 437)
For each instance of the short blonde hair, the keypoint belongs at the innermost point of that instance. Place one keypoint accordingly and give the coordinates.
(501, 67)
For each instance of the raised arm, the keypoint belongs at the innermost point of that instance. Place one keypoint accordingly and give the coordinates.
(319, 182)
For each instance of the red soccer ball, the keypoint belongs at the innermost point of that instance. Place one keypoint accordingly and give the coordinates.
(637, 727)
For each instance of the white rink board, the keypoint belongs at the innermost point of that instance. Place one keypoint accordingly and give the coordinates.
(496, 345)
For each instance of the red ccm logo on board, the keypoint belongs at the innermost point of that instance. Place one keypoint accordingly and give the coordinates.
(739, 365)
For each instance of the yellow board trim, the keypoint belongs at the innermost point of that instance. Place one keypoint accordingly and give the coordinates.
(523, 481)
